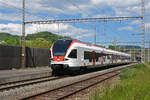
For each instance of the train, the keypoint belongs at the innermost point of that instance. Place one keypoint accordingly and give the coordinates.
(73, 55)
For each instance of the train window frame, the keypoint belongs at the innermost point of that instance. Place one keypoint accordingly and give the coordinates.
(60, 47)
(88, 55)
(71, 55)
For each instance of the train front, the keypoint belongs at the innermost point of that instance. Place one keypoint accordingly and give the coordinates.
(59, 60)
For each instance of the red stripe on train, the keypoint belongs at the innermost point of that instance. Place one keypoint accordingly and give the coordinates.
(52, 50)
(60, 58)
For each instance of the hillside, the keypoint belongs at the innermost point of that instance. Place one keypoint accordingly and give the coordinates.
(46, 35)
(41, 38)
(38, 40)
(4, 36)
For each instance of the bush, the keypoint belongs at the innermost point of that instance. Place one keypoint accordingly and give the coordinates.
(134, 85)
(141, 65)
(127, 73)
(148, 63)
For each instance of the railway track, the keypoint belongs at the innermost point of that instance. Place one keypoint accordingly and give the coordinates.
(55, 88)
(65, 91)
(17, 84)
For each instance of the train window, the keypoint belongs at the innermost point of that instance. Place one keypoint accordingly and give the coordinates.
(73, 54)
(60, 47)
(104, 58)
(88, 56)
(90, 60)
(108, 57)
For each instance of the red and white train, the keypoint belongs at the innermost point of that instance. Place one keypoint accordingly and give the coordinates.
(67, 54)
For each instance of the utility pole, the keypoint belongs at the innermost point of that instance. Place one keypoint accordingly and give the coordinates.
(23, 55)
(130, 53)
(143, 31)
(58, 29)
(114, 42)
(149, 47)
(105, 23)
(95, 35)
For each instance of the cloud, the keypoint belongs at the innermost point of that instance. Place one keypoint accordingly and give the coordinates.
(115, 3)
(123, 8)
(127, 28)
(10, 17)
(47, 6)
(138, 22)
(100, 16)
(11, 28)
(64, 29)
(135, 22)
(147, 27)
(17, 17)
(87, 8)
(49, 9)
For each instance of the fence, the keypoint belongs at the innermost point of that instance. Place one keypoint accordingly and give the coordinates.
(10, 57)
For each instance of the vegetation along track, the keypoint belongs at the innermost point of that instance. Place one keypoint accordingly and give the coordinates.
(17, 84)
(73, 88)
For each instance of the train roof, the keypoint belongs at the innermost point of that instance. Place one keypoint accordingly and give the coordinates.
(106, 50)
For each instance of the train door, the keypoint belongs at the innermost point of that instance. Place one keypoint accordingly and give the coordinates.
(80, 55)
(93, 58)
(112, 58)
(107, 59)
(102, 60)
(116, 59)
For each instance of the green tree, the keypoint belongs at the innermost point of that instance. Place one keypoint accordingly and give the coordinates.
(111, 47)
(46, 35)
(12, 41)
(39, 43)
(39, 40)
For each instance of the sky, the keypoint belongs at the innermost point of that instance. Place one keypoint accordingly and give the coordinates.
(36, 10)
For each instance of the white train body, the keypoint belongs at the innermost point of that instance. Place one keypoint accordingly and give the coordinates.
(74, 55)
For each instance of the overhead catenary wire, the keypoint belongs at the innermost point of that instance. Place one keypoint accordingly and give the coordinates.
(82, 11)
(105, 27)
(128, 42)
(20, 9)
(78, 7)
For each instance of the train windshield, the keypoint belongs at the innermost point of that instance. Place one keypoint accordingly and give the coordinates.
(60, 47)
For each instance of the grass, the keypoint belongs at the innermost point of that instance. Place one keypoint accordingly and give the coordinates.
(148, 63)
(134, 85)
